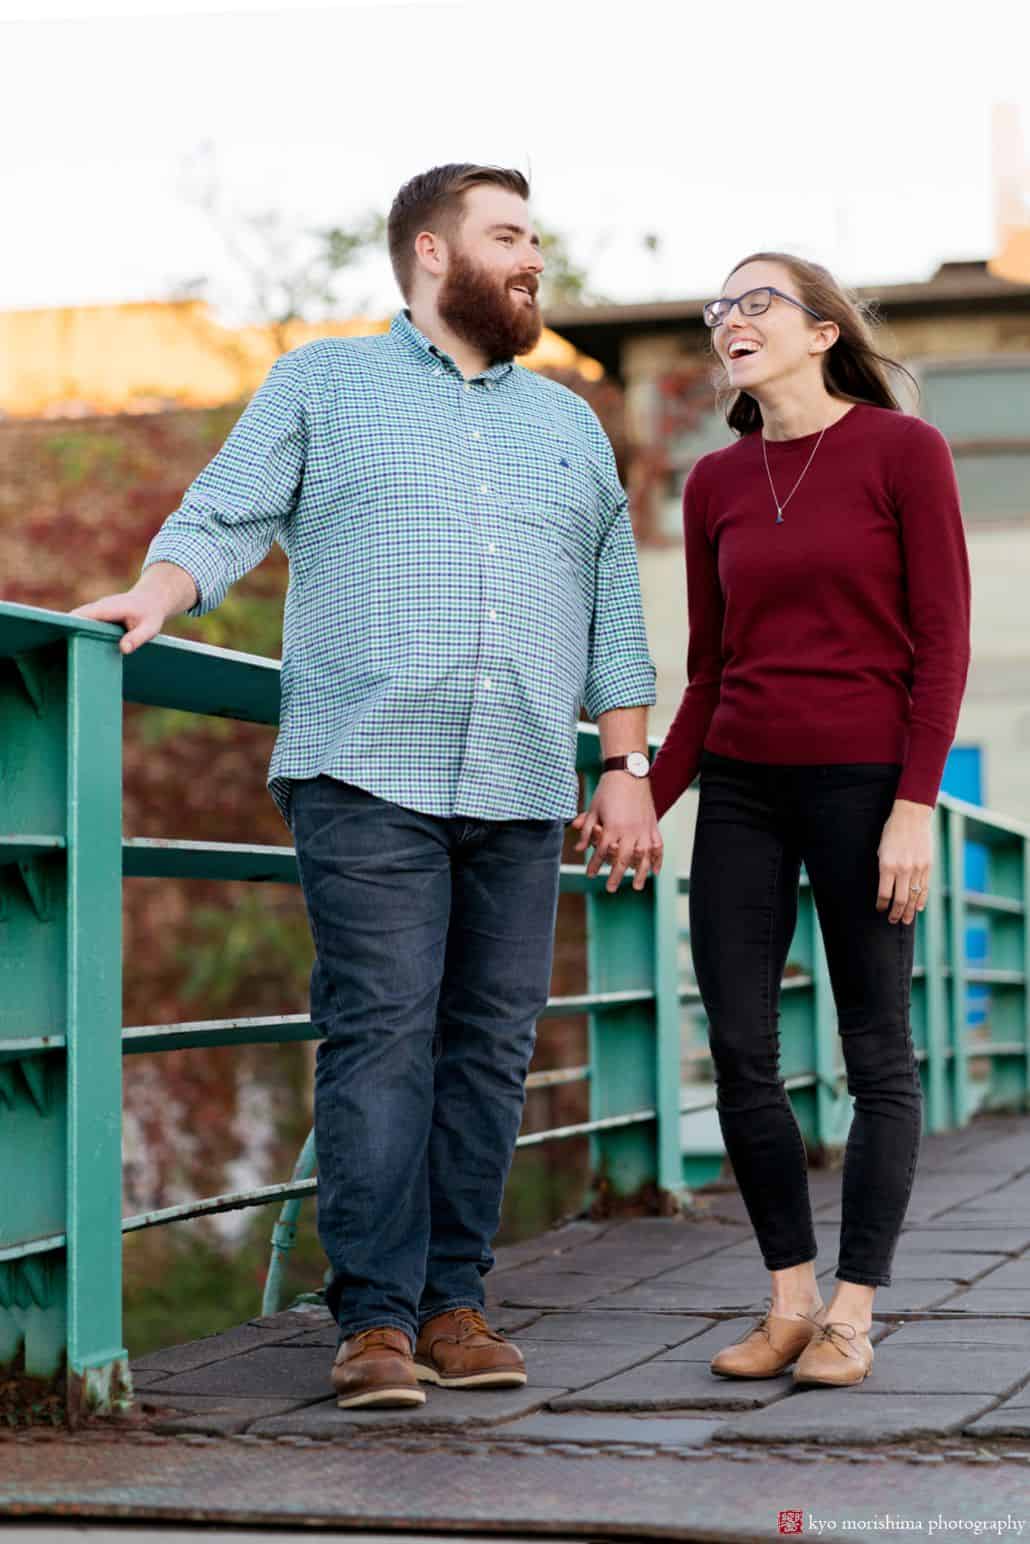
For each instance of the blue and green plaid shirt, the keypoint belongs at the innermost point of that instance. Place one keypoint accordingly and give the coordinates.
(463, 577)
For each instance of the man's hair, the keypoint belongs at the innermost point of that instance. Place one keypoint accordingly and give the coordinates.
(434, 200)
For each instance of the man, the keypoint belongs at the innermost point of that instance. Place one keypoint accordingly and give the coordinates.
(462, 580)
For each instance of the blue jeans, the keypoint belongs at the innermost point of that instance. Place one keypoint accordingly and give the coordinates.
(756, 824)
(434, 940)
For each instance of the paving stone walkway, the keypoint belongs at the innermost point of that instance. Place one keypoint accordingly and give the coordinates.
(618, 1321)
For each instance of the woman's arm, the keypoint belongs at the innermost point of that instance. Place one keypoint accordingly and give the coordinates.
(938, 588)
(677, 762)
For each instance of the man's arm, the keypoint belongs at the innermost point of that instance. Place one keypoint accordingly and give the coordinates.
(621, 820)
(229, 517)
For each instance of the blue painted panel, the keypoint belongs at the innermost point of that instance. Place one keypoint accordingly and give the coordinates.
(963, 779)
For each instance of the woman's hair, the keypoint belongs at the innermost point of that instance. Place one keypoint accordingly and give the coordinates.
(854, 369)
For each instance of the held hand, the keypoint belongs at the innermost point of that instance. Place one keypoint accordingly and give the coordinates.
(141, 615)
(621, 826)
(906, 859)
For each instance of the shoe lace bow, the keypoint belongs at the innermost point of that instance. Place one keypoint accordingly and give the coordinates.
(759, 1326)
(837, 1334)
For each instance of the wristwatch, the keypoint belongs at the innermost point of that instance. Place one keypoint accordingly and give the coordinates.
(636, 764)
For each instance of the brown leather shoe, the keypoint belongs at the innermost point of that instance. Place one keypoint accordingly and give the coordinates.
(837, 1354)
(459, 1350)
(768, 1348)
(375, 1367)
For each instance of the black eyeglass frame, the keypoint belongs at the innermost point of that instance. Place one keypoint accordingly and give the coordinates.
(729, 301)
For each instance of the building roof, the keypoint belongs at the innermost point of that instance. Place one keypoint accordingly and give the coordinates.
(959, 286)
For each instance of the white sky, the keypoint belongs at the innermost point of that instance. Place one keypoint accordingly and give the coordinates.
(856, 133)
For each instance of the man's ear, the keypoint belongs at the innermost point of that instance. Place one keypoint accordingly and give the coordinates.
(431, 253)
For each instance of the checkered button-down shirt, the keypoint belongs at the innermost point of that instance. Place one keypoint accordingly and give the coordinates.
(463, 577)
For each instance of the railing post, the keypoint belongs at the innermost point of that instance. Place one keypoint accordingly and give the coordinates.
(634, 1052)
(832, 1101)
(33, 930)
(1006, 924)
(1025, 967)
(959, 982)
(935, 958)
(98, 1376)
(668, 1026)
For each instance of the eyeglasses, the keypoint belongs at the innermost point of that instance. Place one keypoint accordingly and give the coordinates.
(752, 303)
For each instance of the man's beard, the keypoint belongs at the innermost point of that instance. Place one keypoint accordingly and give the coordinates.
(482, 310)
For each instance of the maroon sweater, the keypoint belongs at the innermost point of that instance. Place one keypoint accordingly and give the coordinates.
(840, 635)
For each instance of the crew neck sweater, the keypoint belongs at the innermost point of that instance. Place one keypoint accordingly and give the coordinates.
(840, 634)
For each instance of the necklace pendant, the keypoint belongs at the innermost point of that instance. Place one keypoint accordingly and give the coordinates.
(779, 515)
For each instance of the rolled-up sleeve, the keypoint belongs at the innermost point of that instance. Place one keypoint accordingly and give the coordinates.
(237, 506)
(620, 671)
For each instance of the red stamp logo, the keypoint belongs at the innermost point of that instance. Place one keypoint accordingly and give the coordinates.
(791, 1522)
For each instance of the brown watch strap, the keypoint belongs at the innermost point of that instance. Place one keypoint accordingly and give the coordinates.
(621, 763)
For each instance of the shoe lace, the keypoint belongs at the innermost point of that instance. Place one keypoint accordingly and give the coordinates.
(838, 1333)
(377, 1336)
(759, 1326)
(471, 1321)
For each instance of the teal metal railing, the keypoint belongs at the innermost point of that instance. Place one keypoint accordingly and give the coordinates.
(968, 1061)
(63, 861)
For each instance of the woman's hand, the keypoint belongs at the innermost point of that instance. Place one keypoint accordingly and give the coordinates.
(906, 858)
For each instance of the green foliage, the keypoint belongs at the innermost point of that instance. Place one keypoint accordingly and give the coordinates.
(564, 281)
(225, 941)
(284, 271)
(182, 1283)
(248, 619)
(84, 456)
(542, 1188)
(215, 424)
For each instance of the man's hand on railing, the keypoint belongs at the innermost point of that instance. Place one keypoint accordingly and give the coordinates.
(162, 591)
(621, 826)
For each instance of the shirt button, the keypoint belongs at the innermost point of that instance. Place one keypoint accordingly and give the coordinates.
(475, 434)
(438, 371)
(487, 682)
(468, 385)
(492, 548)
(484, 488)
(492, 615)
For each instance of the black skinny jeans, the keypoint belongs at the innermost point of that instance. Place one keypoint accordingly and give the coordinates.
(756, 825)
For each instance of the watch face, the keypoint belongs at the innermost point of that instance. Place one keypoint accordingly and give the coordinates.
(638, 764)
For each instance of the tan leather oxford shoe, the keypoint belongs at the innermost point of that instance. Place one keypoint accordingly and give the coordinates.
(837, 1354)
(768, 1348)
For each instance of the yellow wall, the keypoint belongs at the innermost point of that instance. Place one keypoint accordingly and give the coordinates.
(145, 356)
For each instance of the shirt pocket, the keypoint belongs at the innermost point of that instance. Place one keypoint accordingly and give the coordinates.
(552, 475)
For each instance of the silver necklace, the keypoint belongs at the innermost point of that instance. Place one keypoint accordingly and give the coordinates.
(781, 507)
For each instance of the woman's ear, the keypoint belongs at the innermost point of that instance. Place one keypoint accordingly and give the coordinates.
(824, 336)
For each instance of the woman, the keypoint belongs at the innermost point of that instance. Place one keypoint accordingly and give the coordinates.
(828, 602)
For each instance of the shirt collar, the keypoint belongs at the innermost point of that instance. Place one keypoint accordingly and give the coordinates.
(403, 329)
